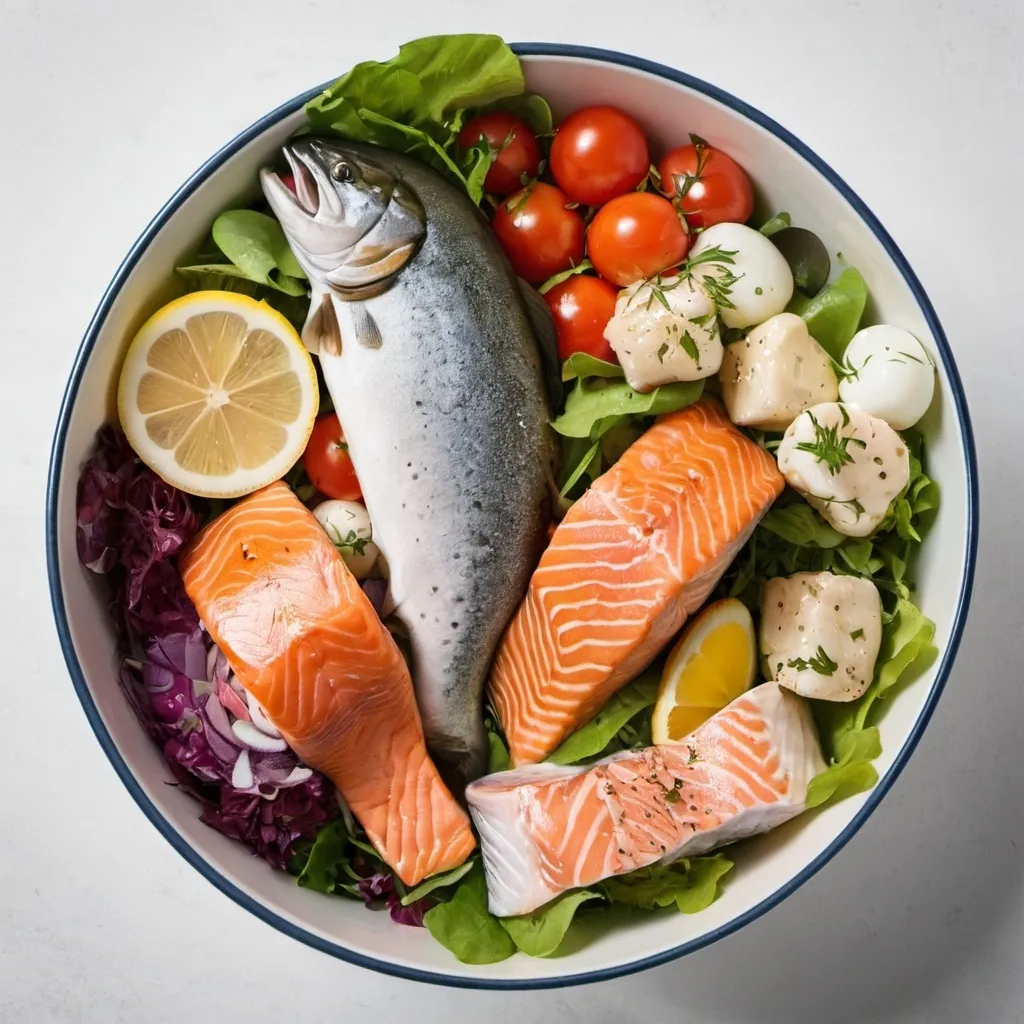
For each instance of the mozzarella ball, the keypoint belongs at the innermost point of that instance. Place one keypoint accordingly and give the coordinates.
(347, 523)
(890, 377)
(764, 282)
(663, 331)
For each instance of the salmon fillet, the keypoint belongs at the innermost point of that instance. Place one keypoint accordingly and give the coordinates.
(636, 555)
(547, 828)
(304, 640)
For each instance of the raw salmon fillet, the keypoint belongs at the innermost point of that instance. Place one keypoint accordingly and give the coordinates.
(637, 554)
(303, 639)
(546, 828)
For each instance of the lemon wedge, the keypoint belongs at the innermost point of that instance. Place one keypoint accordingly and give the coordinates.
(714, 661)
(217, 394)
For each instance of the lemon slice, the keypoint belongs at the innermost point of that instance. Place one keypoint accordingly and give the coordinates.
(714, 661)
(218, 394)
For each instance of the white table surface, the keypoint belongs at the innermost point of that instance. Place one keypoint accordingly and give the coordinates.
(108, 105)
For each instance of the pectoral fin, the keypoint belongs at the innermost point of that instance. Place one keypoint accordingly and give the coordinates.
(367, 332)
(322, 333)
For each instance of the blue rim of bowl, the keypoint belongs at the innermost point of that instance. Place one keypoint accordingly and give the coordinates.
(416, 974)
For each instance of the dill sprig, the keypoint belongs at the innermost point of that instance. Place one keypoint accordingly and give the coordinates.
(684, 182)
(829, 446)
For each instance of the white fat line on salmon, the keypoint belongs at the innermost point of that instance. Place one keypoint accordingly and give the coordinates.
(575, 566)
(542, 592)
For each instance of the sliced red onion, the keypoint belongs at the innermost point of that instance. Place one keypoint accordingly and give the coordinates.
(217, 665)
(218, 719)
(241, 775)
(300, 774)
(259, 717)
(231, 700)
(251, 737)
(224, 750)
(377, 592)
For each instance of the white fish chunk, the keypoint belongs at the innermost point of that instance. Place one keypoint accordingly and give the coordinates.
(821, 632)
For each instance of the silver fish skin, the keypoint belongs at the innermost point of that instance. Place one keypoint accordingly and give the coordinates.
(429, 355)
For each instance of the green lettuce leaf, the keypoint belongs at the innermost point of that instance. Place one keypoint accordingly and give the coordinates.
(581, 364)
(592, 740)
(228, 278)
(466, 927)
(441, 881)
(417, 102)
(594, 406)
(256, 246)
(497, 753)
(542, 932)
(324, 867)
(849, 742)
(528, 107)
(833, 315)
(776, 224)
(691, 885)
(801, 525)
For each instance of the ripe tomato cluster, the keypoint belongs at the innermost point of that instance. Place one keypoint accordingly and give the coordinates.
(607, 202)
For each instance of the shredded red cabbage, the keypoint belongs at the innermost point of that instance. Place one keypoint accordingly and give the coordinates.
(131, 524)
(382, 886)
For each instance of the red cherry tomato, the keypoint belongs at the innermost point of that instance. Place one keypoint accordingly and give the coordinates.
(582, 307)
(517, 151)
(636, 236)
(328, 463)
(538, 232)
(599, 153)
(708, 184)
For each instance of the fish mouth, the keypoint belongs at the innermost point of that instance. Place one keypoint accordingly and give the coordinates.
(306, 191)
(299, 187)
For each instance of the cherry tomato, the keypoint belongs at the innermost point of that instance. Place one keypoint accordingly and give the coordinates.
(328, 463)
(538, 232)
(599, 153)
(636, 236)
(517, 151)
(582, 307)
(708, 184)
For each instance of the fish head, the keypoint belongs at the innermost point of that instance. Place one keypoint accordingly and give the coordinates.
(350, 221)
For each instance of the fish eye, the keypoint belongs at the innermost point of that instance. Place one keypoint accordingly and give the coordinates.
(341, 171)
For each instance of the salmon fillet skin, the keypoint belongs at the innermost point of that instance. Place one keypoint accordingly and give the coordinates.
(632, 559)
(545, 828)
(303, 639)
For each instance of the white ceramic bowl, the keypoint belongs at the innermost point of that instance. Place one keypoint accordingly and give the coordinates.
(788, 177)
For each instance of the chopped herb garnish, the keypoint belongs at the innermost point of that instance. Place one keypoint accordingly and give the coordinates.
(662, 351)
(852, 503)
(820, 662)
(351, 541)
(689, 346)
(829, 446)
(856, 634)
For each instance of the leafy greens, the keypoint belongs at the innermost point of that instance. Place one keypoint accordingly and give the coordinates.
(418, 101)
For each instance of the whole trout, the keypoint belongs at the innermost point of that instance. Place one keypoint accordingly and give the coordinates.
(429, 354)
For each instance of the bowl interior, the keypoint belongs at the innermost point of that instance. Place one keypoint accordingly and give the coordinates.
(768, 868)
